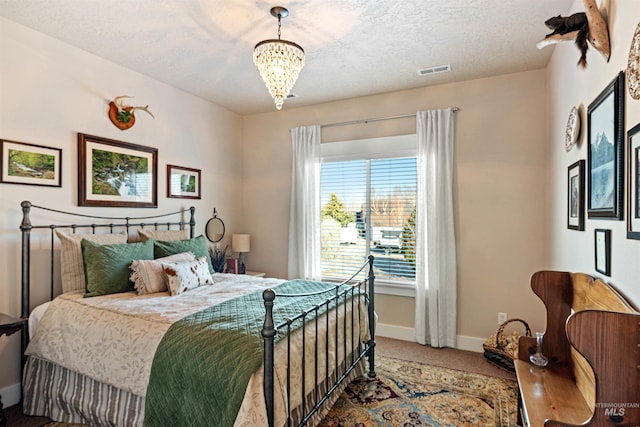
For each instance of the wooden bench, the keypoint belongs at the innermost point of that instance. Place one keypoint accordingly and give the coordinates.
(592, 342)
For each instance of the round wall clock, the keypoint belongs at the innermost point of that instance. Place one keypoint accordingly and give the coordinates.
(573, 129)
(633, 68)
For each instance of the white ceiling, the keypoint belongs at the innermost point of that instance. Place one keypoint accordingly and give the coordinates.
(353, 47)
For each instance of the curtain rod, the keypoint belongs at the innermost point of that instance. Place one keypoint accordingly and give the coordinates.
(377, 119)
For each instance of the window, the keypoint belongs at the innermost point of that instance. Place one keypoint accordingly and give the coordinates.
(368, 206)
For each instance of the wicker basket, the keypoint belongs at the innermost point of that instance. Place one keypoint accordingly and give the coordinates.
(501, 349)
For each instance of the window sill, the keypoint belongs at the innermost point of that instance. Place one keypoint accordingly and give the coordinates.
(389, 288)
(385, 287)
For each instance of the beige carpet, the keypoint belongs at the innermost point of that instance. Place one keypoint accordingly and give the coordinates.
(451, 358)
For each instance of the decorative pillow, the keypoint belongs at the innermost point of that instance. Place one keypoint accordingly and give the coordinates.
(164, 235)
(197, 246)
(71, 263)
(187, 275)
(148, 276)
(106, 267)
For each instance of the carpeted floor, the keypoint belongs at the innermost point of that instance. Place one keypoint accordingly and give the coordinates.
(405, 379)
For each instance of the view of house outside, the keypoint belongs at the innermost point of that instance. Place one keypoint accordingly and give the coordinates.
(368, 207)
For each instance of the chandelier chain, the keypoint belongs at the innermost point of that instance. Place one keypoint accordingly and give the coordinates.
(279, 25)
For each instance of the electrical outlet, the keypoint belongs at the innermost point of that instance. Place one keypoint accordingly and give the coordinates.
(502, 317)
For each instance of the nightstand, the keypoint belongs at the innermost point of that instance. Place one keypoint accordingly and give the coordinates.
(8, 325)
(255, 273)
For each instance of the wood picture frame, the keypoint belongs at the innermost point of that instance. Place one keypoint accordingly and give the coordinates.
(183, 183)
(605, 152)
(602, 239)
(232, 266)
(30, 164)
(575, 196)
(633, 183)
(116, 174)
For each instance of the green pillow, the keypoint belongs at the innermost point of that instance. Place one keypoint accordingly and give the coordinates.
(197, 246)
(106, 267)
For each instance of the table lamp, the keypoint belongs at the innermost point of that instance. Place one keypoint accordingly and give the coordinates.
(241, 243)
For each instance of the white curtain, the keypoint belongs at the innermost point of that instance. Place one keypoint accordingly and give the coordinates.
(435, 321)
(304, 219)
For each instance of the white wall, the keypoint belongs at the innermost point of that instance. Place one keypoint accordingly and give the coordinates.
(572, 86)
(500, 195)
(49, 92)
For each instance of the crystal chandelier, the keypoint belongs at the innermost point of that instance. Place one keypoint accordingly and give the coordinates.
(279, 61)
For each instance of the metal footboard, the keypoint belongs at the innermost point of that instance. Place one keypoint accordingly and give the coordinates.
(352, 354)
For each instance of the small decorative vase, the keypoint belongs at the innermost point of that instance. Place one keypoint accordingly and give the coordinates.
(538, 358)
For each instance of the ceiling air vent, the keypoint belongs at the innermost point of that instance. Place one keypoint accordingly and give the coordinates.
(434, 70)
(292, 95)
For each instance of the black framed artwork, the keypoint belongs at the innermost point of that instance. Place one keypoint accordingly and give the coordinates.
(575, 196)
(116, 174)
(605, 175)
(633, 183)
(603, 251)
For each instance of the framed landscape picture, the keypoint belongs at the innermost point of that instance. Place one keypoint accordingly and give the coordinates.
(30, 164)
(575, 196)
(183, 183)
(605, 167)
(633, 183)
(115, 173)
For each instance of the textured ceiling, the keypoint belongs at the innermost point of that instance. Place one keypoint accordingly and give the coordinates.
(353, 47)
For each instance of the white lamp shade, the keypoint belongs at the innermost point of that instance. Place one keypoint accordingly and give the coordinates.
(240, 242)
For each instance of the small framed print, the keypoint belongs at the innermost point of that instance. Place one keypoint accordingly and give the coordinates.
(232, 266)
(575, 196)
(633, 183)
(30, 164)
(603, 251)
(183, 183)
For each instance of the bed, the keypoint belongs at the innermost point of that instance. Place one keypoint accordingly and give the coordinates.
(207, 349)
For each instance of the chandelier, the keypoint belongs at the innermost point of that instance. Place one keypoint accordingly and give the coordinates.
(279, 62)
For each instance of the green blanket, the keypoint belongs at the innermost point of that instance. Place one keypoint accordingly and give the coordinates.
(204, 362)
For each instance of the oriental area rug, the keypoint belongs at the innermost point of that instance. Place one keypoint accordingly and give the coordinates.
(406, 394)
(414, 394)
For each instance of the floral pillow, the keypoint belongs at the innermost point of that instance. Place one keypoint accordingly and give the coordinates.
(182, 276)
(148, 276)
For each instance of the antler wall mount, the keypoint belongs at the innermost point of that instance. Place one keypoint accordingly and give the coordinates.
(122, 115)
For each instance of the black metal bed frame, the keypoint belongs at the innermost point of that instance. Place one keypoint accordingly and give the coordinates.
(340, 298)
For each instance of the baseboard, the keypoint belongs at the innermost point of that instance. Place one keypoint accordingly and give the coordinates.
(470, 343)
(396, 332)
(407, 334)
(10, 395)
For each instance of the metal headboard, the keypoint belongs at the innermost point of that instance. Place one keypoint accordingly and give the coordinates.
(112, 223)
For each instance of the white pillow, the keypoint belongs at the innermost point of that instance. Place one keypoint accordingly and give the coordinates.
(164, 235)
(187, 275)
(148, 276)
(71, 264)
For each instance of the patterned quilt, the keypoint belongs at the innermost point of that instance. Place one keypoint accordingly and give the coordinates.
(204, 362)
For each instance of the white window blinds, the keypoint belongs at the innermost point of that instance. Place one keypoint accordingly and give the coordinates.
(368, 207)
